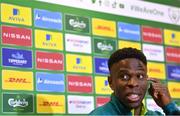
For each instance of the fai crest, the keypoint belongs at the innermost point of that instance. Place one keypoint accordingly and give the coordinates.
(174, 15)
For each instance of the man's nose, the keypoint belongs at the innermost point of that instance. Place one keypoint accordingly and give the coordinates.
(133, 82)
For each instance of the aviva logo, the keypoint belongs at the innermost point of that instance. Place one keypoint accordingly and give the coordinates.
(16, 11)
(16, 14)
(48, 37)
(48, 40)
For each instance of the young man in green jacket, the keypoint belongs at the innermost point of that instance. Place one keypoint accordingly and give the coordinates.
(129, 81)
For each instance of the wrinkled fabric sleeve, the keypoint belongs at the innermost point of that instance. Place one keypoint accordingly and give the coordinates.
(171, 109)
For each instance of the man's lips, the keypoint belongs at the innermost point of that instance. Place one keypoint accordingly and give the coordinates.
(133, 97)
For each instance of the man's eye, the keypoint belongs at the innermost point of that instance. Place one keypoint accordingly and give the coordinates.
(124, 77)
(141, 76)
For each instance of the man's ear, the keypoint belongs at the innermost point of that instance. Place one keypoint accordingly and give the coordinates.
(110, 82)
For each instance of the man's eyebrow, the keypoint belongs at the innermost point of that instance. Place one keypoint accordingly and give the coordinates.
(140, 67)
(123, 70)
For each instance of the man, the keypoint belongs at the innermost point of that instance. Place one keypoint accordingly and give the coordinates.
(129, 81)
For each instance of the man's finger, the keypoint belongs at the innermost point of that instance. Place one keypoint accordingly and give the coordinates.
(153, 80)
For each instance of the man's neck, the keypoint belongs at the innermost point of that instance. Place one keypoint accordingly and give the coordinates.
(137, 111)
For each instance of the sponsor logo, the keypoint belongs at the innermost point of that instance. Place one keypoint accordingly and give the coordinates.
(79, 63)
(93, 1)
(77, 23)
(80, 104)
(16, 36)
(156, 70)
(21, 103)
(129, 31)
(104, 46)
(102, 85)
(124, 44)
(174, 89)
(150, 34)
(17, 103)
(47, 19)
(172, 54)
(48, 37)
(16, 14)
(77, 43)
(171, 37)
(48, 40)
(82, 84)
(174, 14)
(173, 72)
(46, 102)
(17, 80)
(50, 82)
(49, 61)
(16, 11)
(101, 65)
(103, 27)
(101, 101)
(153, 52)
(17, 58)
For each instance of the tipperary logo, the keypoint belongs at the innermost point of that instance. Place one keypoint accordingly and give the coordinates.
(174, 15)
(17, 56)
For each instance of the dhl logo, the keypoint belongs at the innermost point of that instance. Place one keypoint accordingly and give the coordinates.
(17, 80)
(52, 103)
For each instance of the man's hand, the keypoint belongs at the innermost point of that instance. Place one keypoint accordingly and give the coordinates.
(159, 92)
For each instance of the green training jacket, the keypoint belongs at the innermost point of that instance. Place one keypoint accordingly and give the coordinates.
(115, 107)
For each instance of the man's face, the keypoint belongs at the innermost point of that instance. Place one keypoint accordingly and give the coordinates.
(128, 80)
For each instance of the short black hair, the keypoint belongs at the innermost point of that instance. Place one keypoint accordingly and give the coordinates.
(124, 53)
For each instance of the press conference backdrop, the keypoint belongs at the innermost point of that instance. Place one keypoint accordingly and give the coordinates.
(54, 53)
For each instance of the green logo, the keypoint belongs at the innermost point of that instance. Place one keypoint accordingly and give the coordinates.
(18, 103)
(93, 1)
(104, 46)
(77, 23)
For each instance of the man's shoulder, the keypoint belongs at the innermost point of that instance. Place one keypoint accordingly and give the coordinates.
(157, 113)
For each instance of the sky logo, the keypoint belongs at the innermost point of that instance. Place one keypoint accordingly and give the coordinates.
(47, 19)
(50, 82)
(38, 17)
(48, 37)
(129, 31)
(16, 11)
(78, 61)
